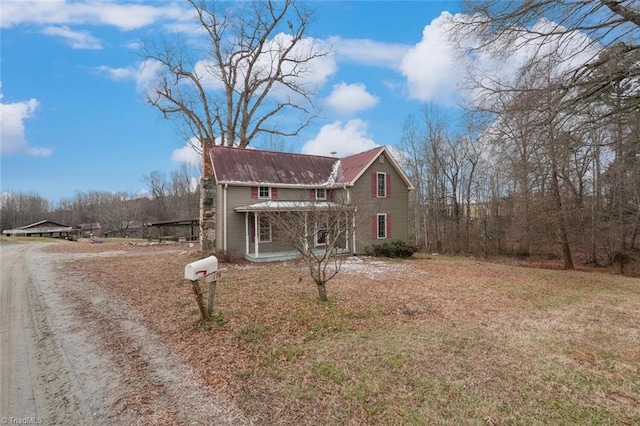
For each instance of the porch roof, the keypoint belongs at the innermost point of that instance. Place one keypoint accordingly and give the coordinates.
(273, 205)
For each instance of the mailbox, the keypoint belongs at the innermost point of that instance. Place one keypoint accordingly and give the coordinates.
(201, 268)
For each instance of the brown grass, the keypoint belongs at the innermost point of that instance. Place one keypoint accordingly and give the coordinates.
(420, 341)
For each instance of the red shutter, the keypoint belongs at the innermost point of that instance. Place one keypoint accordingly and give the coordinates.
(274, 193)
(388, 183)
(374, 185)
(253, 229)
(374, 226)
(313, 194)
(329, 194)
(254, 192)
(388, 225)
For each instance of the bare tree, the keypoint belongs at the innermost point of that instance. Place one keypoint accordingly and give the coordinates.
(414, 162)
(472, 149)
(575, 30)
(19, 209)
(183, 192)
(253, 69)
(119, 212)
(318, 230)
(159, 187)
(582, 69)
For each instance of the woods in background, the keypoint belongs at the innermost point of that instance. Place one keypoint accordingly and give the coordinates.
(173, 197)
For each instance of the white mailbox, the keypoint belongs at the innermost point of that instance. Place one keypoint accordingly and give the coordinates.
(201, 268)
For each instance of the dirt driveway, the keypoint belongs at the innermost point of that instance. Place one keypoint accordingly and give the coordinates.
(70, 354)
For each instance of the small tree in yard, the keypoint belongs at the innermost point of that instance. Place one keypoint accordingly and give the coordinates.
(317, 230)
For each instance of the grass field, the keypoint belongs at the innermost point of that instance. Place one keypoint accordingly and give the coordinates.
(8, 240)
(419, 341)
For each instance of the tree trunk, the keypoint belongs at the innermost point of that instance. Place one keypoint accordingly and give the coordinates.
(564, 236)
(322, 292)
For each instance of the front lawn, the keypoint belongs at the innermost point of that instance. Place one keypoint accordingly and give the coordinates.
(418, 341)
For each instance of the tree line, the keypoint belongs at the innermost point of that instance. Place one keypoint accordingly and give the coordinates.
(169, 197)
(548, 161)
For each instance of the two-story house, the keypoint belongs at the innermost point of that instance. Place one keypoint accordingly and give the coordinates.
(370, 187)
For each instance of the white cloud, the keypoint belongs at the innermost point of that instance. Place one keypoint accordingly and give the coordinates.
(344, 140)
(75, 39)
(144, 73)
(351, 98)
(187, 154)
(369, 52)
(118, 74)
(124, 16)
(12, 131)
(431, 67)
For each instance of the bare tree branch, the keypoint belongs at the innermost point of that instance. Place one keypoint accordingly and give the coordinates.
(252, 70)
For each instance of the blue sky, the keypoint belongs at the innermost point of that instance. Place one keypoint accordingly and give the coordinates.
(74, 116)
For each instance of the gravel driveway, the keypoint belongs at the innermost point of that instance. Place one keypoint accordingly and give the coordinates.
(70, 354)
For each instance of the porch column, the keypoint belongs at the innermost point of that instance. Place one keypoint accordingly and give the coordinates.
(256, 222)
(354, 233)
(247, 236)
(346, 231)
(306, 233)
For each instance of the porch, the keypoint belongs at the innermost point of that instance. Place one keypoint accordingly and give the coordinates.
(277, 256)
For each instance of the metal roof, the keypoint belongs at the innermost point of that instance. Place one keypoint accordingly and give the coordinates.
(251, 166)
(290, 206)
(43, 224)
(354, 165)
(234, 165)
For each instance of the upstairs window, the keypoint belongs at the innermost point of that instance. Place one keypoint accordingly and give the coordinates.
(321, 194)
(264, 192)
(381, 179)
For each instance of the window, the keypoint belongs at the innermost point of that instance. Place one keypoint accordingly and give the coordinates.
(321, 194)
(265, 229)
(381, 159)
(382, 225)
(381, 185)
(321, 236)
(264, 192)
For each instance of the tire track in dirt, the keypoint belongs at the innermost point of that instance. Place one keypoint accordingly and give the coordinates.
(72, 354)
(35, 383)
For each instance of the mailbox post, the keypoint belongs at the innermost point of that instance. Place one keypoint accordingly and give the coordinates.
(208, 269)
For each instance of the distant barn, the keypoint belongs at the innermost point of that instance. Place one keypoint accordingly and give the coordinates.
(44, 228)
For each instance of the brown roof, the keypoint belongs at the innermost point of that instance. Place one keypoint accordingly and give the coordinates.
(354, 165)
(235, 165)
(251, 166)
